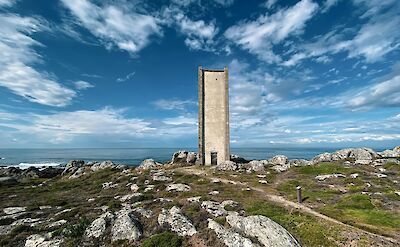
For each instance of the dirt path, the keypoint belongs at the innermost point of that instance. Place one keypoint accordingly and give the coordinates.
(280, 200)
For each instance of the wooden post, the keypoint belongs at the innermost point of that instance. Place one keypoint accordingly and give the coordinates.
(299, 199)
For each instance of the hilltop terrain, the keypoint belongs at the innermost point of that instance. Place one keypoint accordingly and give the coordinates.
(349, 198)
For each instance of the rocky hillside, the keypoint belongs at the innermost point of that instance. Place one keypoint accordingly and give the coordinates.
(349, 198)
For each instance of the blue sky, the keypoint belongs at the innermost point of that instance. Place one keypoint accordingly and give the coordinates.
(80, 73)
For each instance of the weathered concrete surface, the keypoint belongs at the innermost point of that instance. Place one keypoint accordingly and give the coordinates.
(213, 114)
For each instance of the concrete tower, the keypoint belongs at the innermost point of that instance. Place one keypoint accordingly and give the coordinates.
(213, 116)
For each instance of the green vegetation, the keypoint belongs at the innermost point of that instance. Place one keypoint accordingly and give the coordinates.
(307, 229)
(165, 239)
(324, 168)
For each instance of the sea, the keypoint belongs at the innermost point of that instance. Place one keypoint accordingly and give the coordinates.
(25, 158)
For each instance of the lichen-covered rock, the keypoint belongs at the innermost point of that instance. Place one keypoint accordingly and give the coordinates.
(278, 160)
(14, 210)
(176, 221)
(227, 166)
(107, 164)
(179, 157)
(126, 227)
(148, 164)
(72, 166)
(98, 227)
(327, 176)
(229, 237)
(37, 240)
(266, 231)
(363, 154)
(134, 187)
(324, 157)
(214, 208)
(299, 162)
(161, 178)
(191, 158)
(78, 173)
(178, 187)
(255, 166)
(147, 213)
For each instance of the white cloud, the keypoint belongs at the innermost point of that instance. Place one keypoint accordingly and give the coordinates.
(181, 120)
(328, 4)
(80, 85)
(114, 25)
(259, 36)
(17, 60)
(63, 127)
(174, 104)
(127, 77)
(386, 93)
(199, 34)
(7, 3)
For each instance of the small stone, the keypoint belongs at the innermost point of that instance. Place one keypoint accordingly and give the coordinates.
(215, 180)
(354, 175)
(323, 177)
(134, 187)
(194, 199)
(263, 181)
(214, 192)
(57, 223)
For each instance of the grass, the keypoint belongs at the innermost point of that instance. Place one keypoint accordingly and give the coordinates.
(165, 239)
(324, 168)
(307, 229)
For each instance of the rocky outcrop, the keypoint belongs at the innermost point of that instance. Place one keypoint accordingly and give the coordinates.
(126, 226)
(37, 240)
(214, 208)
(97, 166)
(98, 227)
(19, 174)
(361, 155)
(391, 153)
(327, 176)
(177, 222)
(255, 166)
(149, 164)
(266, 231)
(237, 159)
(183, 157)
(229, 237)
(227, 166)
(14, 210)
(280, 163)
(72, 166)
(178, 187)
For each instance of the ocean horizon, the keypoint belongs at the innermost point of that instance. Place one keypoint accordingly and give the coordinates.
(25, 157)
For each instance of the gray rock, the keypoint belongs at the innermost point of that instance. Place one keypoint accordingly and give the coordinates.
(229, 237)
(179, 157)
(176, 221)
(72, 166)
(299, 162)
(216, 209)
(149, 164)
(103, 165)
(98, 227)
(147, 213)
(161, 178)
(57, 223)
(324, 157)
(37, 240)
(237, 159)
(327, 176)
(278, 160)
(126, 227)
(227, 166)
(78, 173)
(194, 199)
(191, 158)
(255, 166)
(14, 210)
(134, 188)
(178, 187)
(108, 185)
(363, 162)
(266, 231)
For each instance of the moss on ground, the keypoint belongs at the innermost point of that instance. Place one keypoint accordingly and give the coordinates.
(165, 239)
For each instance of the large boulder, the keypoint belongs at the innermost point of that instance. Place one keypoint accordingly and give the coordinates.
(324, 157)
(149, 164)
(98, 227)
(363, 154)
(265, 230)
(177, 222)
(214, 208)
(278, 160)
(191, 158)
(391, 153)
(255, 166)
(50, 172)
(184, 157)
(229, 237)
(227, 166)
(8, 181)
(107, 164)
(72, 166)
(126, 226)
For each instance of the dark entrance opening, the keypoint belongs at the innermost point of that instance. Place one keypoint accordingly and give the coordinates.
(214, 158)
